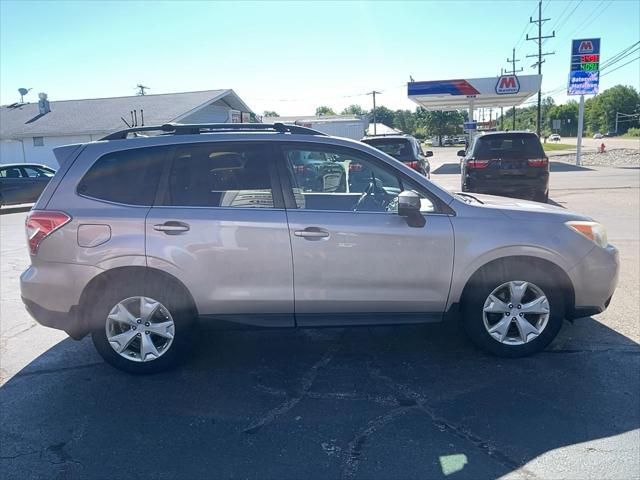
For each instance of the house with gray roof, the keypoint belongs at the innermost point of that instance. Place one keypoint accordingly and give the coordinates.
(29, 131)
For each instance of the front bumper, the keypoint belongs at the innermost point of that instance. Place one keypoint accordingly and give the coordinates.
(594, 281)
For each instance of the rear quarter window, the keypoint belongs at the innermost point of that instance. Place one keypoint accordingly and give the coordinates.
(127, 176)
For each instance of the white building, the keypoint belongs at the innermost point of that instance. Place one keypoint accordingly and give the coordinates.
(348, 126)
(29, 131)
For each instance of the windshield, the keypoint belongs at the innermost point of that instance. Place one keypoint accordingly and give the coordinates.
(508, 146)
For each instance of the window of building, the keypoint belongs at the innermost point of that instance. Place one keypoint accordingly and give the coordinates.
(38, 141)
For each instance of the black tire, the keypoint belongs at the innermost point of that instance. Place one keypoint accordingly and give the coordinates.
(483, 284)
(542, 197)
(182, 312)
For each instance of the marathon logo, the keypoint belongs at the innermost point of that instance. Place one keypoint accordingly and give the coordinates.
(586, 46)
(507, 84)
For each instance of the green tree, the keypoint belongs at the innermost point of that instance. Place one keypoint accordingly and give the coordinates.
(324, 110)
(383, 115)
(568, 115)
(405, 120)
(440, 123)
(354, 110)
(270, 113)
(600, 111)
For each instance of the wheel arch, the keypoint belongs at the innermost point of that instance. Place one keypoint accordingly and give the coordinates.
(134, 275)
(505, 263)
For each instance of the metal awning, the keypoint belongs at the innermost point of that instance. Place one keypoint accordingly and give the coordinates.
(504, 91)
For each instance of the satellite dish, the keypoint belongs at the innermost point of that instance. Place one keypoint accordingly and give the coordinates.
(23, 92)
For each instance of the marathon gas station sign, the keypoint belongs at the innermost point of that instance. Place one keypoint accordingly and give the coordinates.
(584, 77)
(503, 91)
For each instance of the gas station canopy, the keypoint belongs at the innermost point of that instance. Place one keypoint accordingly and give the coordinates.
(504, 91)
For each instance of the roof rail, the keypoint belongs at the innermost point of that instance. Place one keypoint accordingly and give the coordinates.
(194, 129)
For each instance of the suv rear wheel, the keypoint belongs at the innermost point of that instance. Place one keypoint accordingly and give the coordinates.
(513, 312)
(145, 329)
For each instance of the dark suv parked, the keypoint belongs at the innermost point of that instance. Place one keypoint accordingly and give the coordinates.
(404, 148)
(506, 163)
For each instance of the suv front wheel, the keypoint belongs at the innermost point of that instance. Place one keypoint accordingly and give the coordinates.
(513, 312)
(144, 329)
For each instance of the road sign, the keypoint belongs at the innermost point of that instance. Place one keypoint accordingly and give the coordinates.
(556, 124)
(584, 75)
(470, 126)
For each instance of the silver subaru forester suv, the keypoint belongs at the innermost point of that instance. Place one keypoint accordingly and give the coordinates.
(139, 239)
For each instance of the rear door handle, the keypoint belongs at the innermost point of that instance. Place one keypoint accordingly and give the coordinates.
(171, 227)
(312, 233)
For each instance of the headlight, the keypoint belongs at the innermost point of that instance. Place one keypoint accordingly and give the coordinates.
(592, 230)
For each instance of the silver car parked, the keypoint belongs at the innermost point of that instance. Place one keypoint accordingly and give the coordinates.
(135, 239)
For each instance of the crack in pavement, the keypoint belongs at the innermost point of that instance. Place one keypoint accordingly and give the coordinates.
(305, 384)
(422, 405)
(355, 446)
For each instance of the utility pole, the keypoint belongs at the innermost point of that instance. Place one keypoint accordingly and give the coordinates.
(374, 93)
(141, 89)
(539, 39)
(513, 60)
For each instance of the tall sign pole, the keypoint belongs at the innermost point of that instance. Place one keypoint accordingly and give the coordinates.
(584, 78)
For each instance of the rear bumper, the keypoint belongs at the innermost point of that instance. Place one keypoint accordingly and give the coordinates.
(51, 292)
(513, 185)
(71, 322)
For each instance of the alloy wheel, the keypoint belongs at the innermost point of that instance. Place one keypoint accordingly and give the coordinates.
(140, 329)
(516, 312)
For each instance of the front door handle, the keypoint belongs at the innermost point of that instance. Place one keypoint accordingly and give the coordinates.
(312, 233)
(171, 227)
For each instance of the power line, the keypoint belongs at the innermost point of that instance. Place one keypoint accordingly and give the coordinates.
(569, 16)
(618, 55)
(623, 65)
(524, 30)
(592, 16)
(560, 16)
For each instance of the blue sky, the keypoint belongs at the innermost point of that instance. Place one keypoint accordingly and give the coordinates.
(292, 56)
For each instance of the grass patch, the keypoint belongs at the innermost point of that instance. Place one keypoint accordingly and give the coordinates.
(552, 147)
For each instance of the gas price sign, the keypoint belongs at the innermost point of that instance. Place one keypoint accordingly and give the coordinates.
(584, 78)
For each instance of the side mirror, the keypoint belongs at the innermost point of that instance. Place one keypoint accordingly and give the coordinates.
(428, 153)
(462, 153)
(409, 208)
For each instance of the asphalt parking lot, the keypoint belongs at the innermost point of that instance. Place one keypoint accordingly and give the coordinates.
(361, 403)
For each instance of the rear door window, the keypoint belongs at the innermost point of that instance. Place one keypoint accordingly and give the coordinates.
(508, 146)
(220, 175)
(127, 176)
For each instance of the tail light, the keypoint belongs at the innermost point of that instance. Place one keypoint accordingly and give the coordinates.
(40, 224)
(414, 164)
(355, 167)
(299, 168)
(473, 163)
(538, 162)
